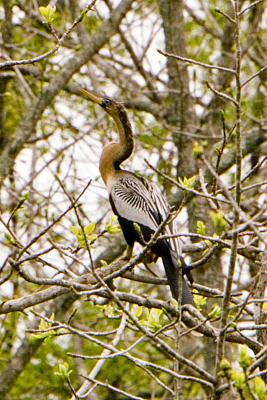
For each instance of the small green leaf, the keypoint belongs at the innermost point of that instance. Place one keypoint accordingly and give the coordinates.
(63, 370)
(199, 301)
(74, 230)
(103, 263)
(260, 388)
(137, 311)
(244, 359)
(43, 326)
(220, 224)
(25, 196)
(225, 365)
(112, 226)
(113, 229)
(197, 150)
(215, 311)
(111, 311)
(83, 13)
(8, 240)
(218, 150)
(44, 150)
(91, 238)
(201, 228)
(225, 368)
(48, 13)
(156, 320)
(80, 235)
(188, 183)
(89, 228)
(146, 139)
(114, 218)
(239, 379)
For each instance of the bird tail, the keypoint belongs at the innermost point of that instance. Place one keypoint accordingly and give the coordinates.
(171, 270)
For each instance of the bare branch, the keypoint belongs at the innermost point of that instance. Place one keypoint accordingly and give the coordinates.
(191, 61)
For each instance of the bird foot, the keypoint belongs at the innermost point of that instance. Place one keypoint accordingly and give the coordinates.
(127, 255)
(150, 258)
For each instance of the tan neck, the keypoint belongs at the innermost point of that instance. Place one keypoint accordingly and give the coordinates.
(116, 152)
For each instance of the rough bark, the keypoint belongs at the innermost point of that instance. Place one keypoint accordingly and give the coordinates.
(181, 114)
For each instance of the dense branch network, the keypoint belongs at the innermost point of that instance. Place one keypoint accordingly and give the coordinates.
(59, 272)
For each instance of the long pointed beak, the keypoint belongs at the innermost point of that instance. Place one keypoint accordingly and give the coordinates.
(90, 96)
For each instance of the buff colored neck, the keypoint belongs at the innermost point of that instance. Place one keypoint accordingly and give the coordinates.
(115, 153)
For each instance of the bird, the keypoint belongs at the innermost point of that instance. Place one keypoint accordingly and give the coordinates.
(137, 202)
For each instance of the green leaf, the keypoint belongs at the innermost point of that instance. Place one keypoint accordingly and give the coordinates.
(113, 229)
(89, 228)
(225, 368)
(48, 13)
(215, 311)
(63, 370)
(44, 150)
(260, 388)
(112, 226)
(137, 311)
(199, 301)
(146, 139)
(244, 358)
(25, 196)
(80, 235)
(188, 183)
(239, 379)
(8, 240)
(74, 230)
(220, 224)
(114, 218)
(197, 150)
(225, 364)
(112, 311)
(156, 320)
(201, 228)
(91, 238)
(43, 326)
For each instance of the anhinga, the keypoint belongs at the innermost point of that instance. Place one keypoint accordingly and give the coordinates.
(137, 201)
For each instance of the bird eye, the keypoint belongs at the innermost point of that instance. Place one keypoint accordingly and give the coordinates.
(105, 102)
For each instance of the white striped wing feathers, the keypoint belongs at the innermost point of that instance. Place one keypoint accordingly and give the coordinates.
(140, 201)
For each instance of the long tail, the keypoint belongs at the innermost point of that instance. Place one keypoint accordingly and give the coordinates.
(171, 271)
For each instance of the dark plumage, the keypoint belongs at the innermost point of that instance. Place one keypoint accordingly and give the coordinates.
(136, 200)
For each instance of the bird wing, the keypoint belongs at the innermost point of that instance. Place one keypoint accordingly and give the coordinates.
(139, 200)
(133, 201)
(162, 205)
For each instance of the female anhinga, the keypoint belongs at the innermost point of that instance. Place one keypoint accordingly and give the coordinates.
(135, 200)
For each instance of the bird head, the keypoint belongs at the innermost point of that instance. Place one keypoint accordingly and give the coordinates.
(112, 107)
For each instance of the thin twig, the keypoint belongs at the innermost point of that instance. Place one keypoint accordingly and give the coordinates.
(191, 61)
(224, 96)
(249, 7)
(253, 76)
